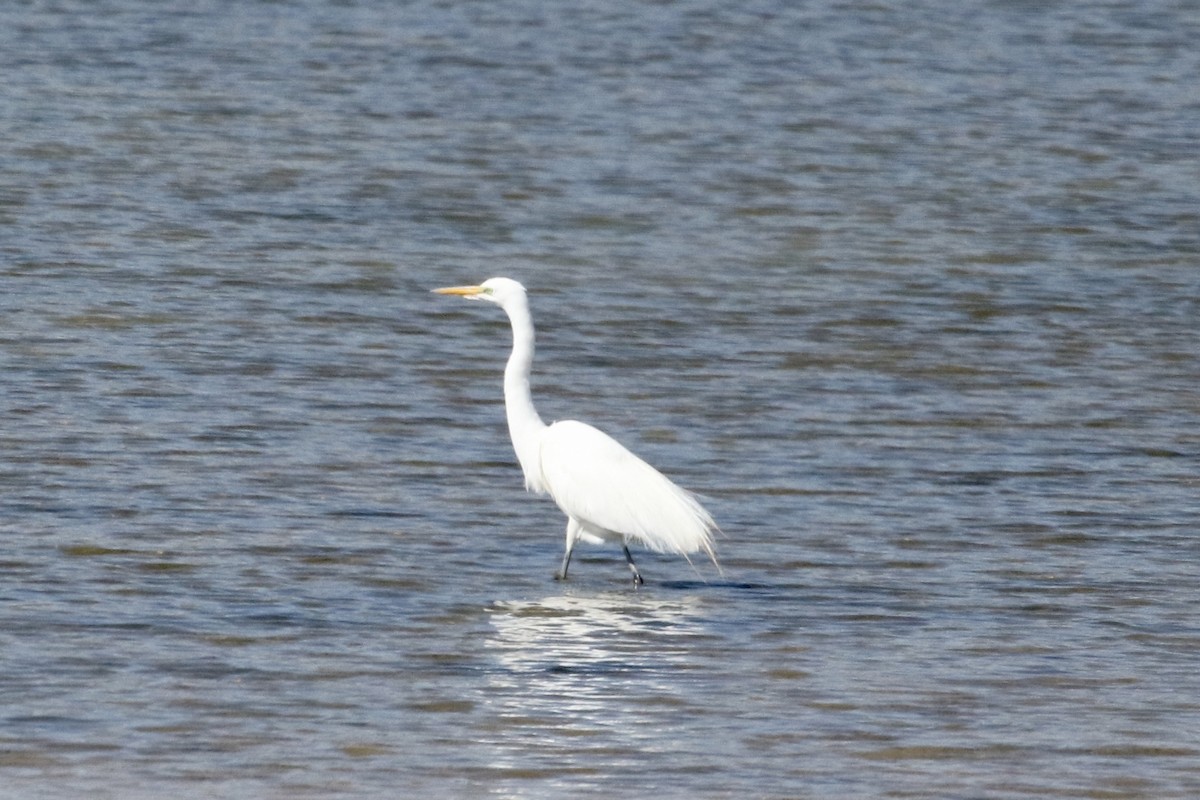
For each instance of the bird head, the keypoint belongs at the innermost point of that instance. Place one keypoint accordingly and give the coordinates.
(494, 290)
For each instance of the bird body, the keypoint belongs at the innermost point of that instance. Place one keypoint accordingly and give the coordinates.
(631, 499)
(607, 492)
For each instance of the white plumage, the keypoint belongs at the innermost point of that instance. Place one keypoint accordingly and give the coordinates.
(607, 493)
(630, 498)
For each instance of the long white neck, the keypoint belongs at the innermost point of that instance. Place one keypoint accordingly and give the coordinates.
(524, 425)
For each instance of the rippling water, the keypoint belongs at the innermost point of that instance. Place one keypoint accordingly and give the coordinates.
(909, 292)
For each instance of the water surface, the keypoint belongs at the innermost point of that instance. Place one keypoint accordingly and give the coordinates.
(908, 292)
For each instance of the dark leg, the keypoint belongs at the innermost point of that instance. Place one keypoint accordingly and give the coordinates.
(637, 576)
(562, 572)
(572, 537)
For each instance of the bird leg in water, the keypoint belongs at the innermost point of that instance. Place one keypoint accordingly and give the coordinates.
(637, 576)
(572, 538)
(561, 575)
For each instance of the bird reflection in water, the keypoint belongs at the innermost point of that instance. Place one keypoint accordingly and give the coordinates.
(580, 673)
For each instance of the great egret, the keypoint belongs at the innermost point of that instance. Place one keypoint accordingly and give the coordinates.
(607, 493)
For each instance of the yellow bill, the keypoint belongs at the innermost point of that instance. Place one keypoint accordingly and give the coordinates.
(462, 291)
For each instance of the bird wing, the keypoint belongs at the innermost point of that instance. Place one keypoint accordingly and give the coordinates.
(596, 480)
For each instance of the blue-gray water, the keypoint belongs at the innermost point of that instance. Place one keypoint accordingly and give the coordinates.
(910, 292)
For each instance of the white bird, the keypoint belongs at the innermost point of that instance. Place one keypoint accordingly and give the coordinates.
(607, 493)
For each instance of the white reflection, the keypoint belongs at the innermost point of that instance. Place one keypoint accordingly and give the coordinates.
(566, 632)
(579, 673)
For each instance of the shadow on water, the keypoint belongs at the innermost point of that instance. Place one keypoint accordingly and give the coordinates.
(726, 585)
